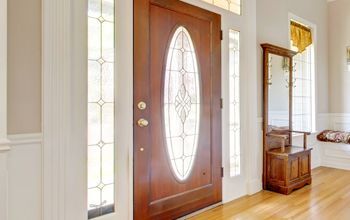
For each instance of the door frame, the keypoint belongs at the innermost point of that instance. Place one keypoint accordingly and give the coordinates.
(67, 19)
(142, 74)
(64, 151)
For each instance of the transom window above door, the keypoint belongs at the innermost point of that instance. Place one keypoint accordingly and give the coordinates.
(234, 6)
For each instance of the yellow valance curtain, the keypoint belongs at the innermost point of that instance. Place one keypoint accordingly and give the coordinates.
(301, 36)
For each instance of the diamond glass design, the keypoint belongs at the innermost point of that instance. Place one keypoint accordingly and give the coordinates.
(100, 107)
(181, 104)
(235, 128)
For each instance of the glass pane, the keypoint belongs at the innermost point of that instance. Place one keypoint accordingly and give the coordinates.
(231, 5)
(94, 39)
(94, 166)
(108, 10)
(94, 9)
(303, 91)
(108, 41)
(100, 107)
(94, 124)
(235, 134)
(94, 81)
(181, 104)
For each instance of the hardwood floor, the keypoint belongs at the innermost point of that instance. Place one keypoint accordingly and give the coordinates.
(328, 198)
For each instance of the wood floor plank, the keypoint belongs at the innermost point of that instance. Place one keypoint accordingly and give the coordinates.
(328, 198)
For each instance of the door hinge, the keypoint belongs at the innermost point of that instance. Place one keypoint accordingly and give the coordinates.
(222, 172)
(221, 35)
(221, 103)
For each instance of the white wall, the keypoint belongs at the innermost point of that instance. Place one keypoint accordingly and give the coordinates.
(339, 39)
(24, 66)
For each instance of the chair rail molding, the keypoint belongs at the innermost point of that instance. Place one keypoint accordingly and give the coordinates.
(64, 111)
(4, 142)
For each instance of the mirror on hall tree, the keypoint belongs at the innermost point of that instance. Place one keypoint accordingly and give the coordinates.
(278, 86)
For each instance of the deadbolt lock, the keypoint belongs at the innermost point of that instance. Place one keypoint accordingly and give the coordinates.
(142, 105)
(142, 123)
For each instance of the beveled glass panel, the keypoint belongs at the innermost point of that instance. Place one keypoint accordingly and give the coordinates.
(94, 166)
(108, 41)
(101, 53)
(94, 199)
(94, 26)
(108, 123)
(94, 81)
(108, 194)
(94, 122)
(94, 9)
(108, 10)
(181, 103)
(107, 82)
(230, 5)
(234, 87)
(108, 164)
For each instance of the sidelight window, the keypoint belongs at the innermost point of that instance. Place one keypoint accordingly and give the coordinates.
(234, 86)
(100, 107)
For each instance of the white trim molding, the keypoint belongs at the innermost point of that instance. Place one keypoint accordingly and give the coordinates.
(25, 139)
(4, 142)
(64, 109)
(3, 74)
(4, 183)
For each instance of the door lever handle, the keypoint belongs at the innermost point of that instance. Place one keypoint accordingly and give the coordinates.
(142, 123)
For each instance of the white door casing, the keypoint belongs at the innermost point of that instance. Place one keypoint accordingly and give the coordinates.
(65, 110)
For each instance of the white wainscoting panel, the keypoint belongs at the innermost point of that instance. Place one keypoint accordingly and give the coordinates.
(336, 155)
(25, 177)
(4, 183)
(340, 121)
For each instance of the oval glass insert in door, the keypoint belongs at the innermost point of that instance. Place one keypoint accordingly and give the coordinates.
(181, 104)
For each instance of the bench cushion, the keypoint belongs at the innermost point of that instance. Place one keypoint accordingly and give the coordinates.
(334, 136)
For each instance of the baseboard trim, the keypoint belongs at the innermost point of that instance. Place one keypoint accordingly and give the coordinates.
(25, 139)
(254, 186)
(336, 165)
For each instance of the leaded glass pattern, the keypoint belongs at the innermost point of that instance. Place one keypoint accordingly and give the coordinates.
(100, 107)
(231, 5)
(234, 86)
(181, 103)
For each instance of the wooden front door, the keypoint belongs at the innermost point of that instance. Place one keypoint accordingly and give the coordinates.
(177, 109)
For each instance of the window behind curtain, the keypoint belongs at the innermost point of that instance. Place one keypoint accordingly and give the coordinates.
(304, 90)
